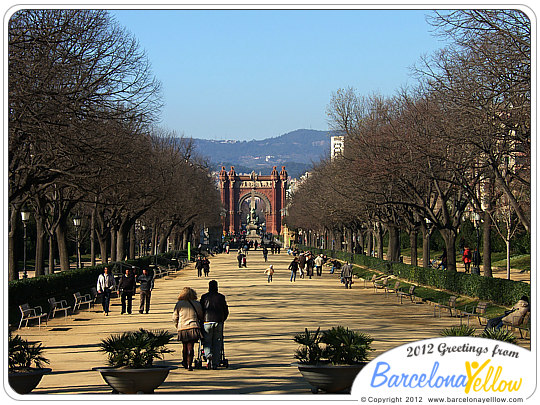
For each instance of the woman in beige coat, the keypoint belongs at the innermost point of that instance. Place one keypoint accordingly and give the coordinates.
(187, 316)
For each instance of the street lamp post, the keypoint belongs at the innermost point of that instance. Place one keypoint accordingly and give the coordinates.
(428, 226)
(25, 216)
(476, 255)
(77, 224)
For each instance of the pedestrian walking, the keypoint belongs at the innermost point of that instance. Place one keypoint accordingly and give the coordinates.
(187, 317)
(293, 267)
(301, 264)
(199, 265)
(318, 264)
(105, 285)
(269, 272)
(467, 258)
(206, 266)
(346, 275)
(310, 263)
(145, 290)
(265, 253)
(216, 312)
(239, 258)
(126, 286)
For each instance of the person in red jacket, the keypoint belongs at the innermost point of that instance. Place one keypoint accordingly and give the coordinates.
(467, 258)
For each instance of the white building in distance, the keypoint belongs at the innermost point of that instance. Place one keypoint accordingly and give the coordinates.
(336, 146)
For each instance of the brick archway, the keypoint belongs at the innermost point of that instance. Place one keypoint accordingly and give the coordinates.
(235, 189)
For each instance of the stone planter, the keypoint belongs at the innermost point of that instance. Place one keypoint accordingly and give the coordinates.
(134, 380)
(330, 378)
(25, 382)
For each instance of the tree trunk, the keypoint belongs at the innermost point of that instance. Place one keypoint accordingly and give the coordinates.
(51, 254)
(425, 246)
(62, 245)
(370, 243)
(113, 243)
(486, 243)
(360, 241)
(350, 241)
(122, 236)
(93, 238)
(449, 236)
(184, 239)
(13, 271)
(131, 254)
(40, 246)
(393, 243)
(380, 247)
(103, 248)
(165, 236)
(508, 256)
(413, 237)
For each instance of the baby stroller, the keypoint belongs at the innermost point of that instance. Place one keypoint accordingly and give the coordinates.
(198, 362)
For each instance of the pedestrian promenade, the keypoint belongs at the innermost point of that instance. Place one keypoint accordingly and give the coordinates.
(258, 334)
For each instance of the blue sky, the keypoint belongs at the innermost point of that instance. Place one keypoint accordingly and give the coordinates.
(255, 74)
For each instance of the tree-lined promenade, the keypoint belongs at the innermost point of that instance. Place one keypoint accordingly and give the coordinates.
(258, 334)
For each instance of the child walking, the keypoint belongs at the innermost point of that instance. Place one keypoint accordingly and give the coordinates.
(269, 272)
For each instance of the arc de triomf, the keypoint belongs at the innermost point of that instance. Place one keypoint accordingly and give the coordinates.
(269, 192)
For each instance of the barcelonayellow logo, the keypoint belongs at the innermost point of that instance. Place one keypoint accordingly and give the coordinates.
(450, 365)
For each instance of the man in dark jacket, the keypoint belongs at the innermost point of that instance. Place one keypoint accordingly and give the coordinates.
(127, 290)
(346, 274)
(216, 312)
(147, 284)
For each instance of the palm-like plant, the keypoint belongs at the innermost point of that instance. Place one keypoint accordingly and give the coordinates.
(136, 349)
(345, 346)
(341, 346)
(499, 334)
(461, 330)
(310, 352)
(23, 354)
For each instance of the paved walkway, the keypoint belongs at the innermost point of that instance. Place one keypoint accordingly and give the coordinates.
(259, 345)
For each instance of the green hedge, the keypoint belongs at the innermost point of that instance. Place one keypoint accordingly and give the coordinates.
(498, 290)
(37, 290)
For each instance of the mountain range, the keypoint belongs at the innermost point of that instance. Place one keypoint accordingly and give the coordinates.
(297, 151)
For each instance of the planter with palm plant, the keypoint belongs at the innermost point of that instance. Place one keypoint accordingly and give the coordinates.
(131, 358)
(330, 360)
(25, 364)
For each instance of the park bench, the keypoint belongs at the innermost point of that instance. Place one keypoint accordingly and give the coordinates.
(393, 289)
(373, 279)
(523, 326)
(449, 306)
(80, 299)
(57, 306)
(380, 285)
(159, 271)
(478, 311)
(171, 269)
(94, 293)
(409, 294)
(28, 313)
